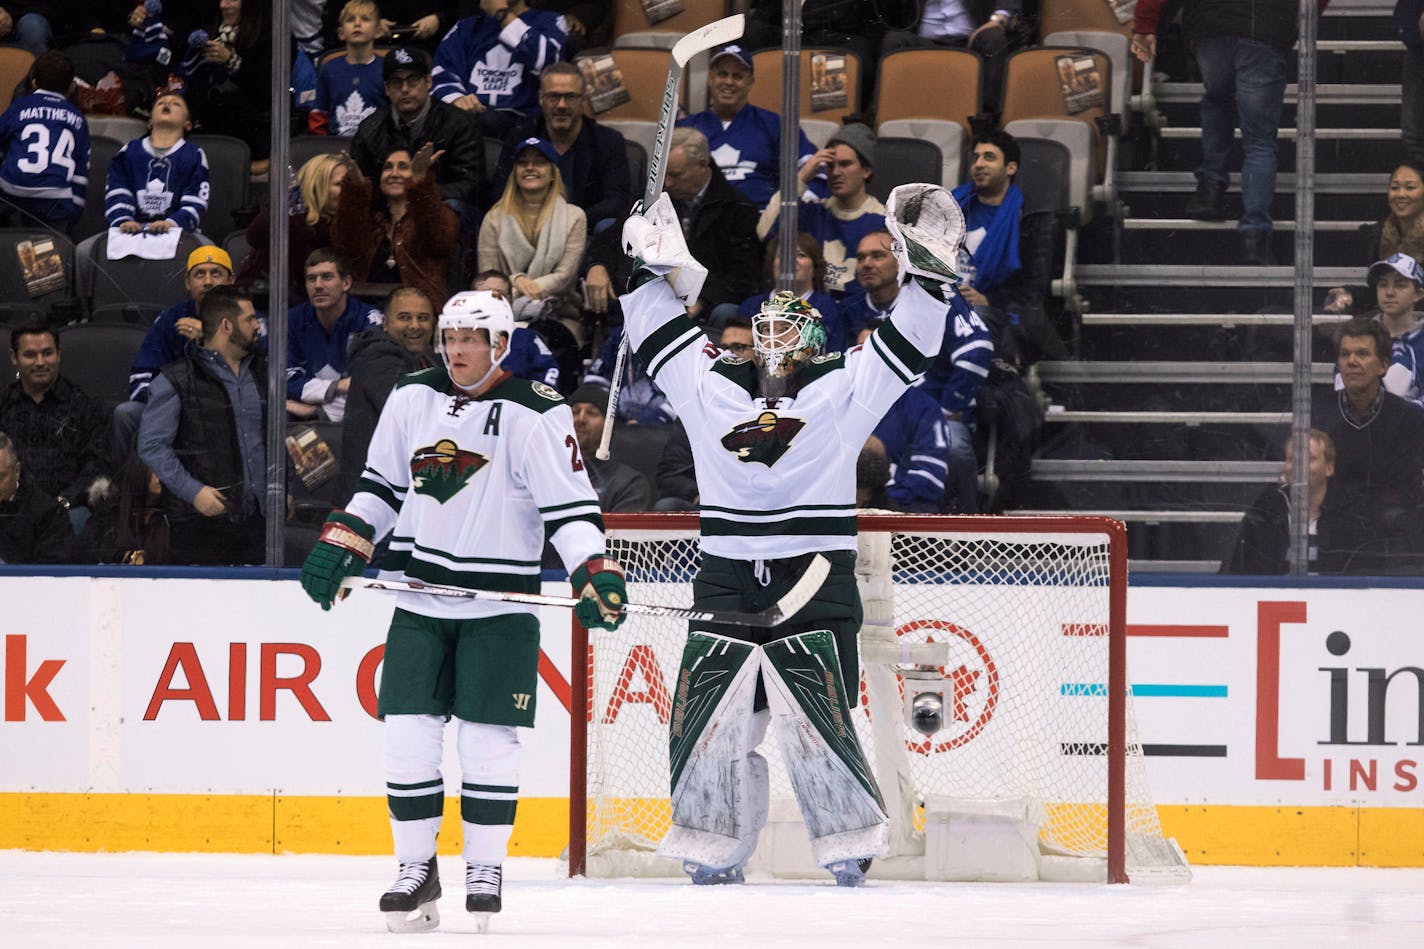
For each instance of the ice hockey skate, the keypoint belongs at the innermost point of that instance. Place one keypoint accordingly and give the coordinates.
(482, 892)
(654, 239)
(927, 228)
(410, 903)
(711, 876)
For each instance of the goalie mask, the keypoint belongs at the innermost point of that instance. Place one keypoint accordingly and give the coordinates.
(786, 333)
(476, 310)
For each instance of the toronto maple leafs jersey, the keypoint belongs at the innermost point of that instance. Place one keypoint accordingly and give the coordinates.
(748, 149)
(144, 186)
(777, 479)
(346, 93)
(467, 489)
(500, 66)
(45, 141)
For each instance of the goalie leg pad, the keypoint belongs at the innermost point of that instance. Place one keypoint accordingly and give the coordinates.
(415, 791)
(839, 799)
(719, 796)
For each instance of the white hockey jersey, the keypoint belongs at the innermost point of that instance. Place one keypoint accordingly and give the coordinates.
(779, 480)
(468, 487)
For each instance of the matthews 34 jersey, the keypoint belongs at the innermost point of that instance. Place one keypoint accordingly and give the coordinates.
(777, 478)
(468, 487)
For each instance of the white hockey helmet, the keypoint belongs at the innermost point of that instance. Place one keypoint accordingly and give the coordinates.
(476, 309)
(786, 332)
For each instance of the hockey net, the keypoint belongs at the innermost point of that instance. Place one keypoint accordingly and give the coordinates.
(1028, 615)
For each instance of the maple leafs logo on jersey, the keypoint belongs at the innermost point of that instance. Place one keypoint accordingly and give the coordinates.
(763, 439)
(443, 469)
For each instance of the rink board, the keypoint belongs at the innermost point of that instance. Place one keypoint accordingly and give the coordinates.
(1281, 726)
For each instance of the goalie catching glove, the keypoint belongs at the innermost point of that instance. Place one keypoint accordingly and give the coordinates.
(342, 550)
(599, 583)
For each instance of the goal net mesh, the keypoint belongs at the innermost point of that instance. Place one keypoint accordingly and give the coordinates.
(1024, 620)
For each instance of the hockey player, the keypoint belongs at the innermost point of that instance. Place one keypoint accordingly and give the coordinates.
(469, 468)
(45, 145)
(775, 440)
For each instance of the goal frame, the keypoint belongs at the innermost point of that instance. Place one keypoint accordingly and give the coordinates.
(1116, 533)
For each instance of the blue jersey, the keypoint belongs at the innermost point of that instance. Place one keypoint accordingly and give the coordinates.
(500, 66)
(916, 440)
(161, 345)
(958, 372)
(345, 94)
(145, 186)
(316, 358)
(45, 141)
(748, 149)
(1405, 376)
(639, 398)
(529, 358)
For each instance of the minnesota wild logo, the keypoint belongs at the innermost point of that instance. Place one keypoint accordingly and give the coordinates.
(764, 439)
(441, 470)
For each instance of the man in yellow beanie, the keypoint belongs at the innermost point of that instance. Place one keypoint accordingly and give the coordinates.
(170, 337)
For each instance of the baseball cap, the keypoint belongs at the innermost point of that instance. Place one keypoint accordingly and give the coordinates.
(734, 50)
(405, 59)
(544, 146)
(591, 393)
(1401, 264)
(858, 138)
(210, 254)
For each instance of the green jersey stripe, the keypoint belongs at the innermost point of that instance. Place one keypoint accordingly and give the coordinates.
(402, 561)
(475, 810)
(408, 543)
(552, 527)
(663, 337)
(790, 526)
(769, 512)
(879, 349)
(416, 808)
(418, 786)
(692, 337)
(380, 492)
(903, 350)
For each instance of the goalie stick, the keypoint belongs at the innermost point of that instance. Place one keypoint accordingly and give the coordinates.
(700, 40)
(783, 609)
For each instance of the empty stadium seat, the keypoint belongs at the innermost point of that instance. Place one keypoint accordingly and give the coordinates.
(122, 128)
(104, 282)
(229, 168)
(631, 26)
(97, 356)
(236, 246)
(304, 148)
(134, 314)
(1118, 49)
(953, 74)
(1045, 171)
(900, 161)
(18, 301)
(767, 91)
(102, 150)
(1078, 139)
(637, 165)
(947, 136)
(1032, 90)
(15, 65)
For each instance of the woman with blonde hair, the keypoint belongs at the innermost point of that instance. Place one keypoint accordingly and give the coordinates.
(310, 211)
(537, 237)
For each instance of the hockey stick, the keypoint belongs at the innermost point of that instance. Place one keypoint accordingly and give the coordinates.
(779, 612)
(699, 40)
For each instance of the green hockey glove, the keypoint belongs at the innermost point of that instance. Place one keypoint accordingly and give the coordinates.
(342, 550)
(599, 583)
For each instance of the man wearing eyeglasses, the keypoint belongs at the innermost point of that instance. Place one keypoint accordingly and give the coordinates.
(593, 158)
(413, 119)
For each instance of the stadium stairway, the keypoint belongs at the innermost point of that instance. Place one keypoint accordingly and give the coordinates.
(1174, 414)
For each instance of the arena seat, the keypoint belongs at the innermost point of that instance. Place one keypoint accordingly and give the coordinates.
(104, 282)
(304, 148)
(229, 169)
(631, 26)
(901, 161)
(16, 303)
(15, 65)
(99, 354)
(102, 150)
(767, 92)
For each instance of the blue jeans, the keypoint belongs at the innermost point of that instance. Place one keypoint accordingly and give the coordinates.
(1245, 82)
(33, 32)
(962, 486)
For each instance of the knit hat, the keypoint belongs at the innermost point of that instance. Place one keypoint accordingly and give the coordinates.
(209, 254)
(592, 393)
(1401, 264)
(410, 59)
(859, 139)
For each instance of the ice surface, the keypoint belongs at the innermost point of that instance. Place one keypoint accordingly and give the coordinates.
(216, 901)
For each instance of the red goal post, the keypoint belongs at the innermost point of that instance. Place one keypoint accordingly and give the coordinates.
(1056, 705)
